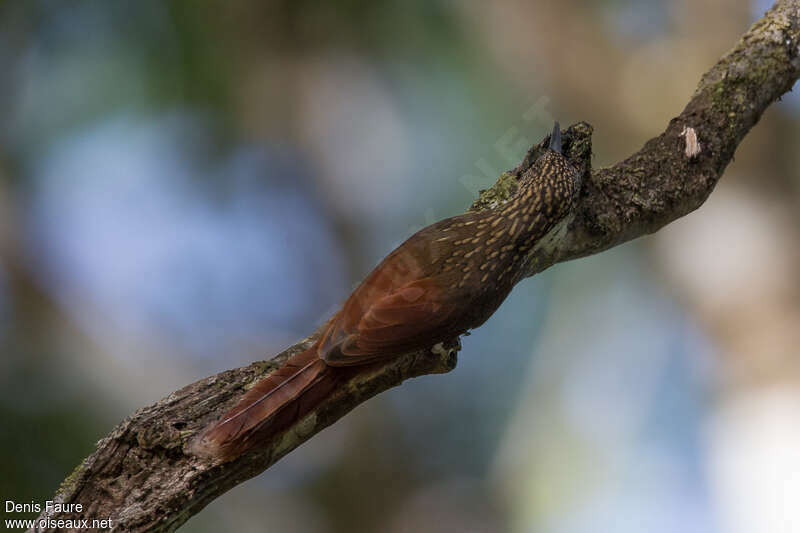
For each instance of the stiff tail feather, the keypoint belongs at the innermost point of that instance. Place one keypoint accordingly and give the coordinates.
(284, 396)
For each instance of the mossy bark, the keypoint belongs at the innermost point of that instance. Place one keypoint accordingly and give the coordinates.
(143, 475)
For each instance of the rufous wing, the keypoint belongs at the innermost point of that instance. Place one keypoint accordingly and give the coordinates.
(408, 318)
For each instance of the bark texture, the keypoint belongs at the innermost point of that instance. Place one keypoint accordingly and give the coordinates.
(143, 475)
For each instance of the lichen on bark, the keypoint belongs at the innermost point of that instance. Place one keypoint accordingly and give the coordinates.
(143, 474)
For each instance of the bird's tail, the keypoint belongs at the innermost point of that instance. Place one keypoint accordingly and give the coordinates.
(276, 401)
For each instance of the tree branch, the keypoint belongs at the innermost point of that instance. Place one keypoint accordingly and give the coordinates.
(143, 475)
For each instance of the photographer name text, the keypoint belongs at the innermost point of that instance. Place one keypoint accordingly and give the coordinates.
(50, 506)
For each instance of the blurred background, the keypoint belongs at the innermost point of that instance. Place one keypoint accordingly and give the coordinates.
(186, 187)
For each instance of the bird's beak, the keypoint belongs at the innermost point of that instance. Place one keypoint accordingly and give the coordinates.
(555, 138)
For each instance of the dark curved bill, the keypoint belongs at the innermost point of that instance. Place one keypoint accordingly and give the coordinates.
(555, 138)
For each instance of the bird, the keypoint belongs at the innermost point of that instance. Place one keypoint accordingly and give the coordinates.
(445, 280)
